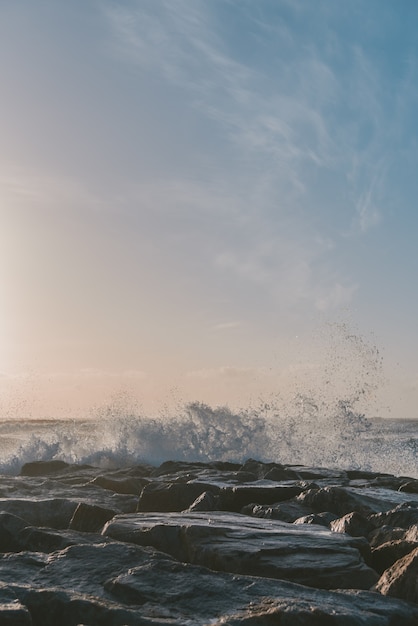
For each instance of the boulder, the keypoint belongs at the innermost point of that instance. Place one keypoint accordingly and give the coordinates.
(14, 614)
(353, 524)
(233, 499)
(124, 485)
(410, 486)
(411, 534)
(198, 597)
(343, 500)
(52, 512)
(43, 468)
(207, 501)
(10, 527)
(288, 511)
(387, 554)
(90, 518)
(233, 543)
(333, 609)
(166, 497)
(383, 534)
(404, 515)
(401, 580)
(323, 519)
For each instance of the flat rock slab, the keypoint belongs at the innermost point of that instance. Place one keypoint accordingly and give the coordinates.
(228, 542)
(201, 596)
(122, 584)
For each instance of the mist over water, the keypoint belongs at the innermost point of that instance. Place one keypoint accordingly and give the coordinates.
(322, 419)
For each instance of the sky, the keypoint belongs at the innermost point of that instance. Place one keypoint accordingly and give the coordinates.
(208, 200)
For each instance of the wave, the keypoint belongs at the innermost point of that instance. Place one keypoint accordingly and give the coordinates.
(321, 422)
(117, 437)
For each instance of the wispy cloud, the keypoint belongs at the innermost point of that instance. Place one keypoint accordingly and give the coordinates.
(224, 326)
(229, 372)
(314, 114)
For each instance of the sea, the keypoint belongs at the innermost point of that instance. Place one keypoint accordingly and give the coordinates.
(117, 438)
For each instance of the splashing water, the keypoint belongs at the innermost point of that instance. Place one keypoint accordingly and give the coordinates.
(320, 420)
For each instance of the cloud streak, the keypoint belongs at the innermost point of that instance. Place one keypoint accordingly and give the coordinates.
(285, 124)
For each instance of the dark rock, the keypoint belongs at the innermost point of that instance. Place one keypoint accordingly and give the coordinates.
(403, 516)
(10, 527)
(411, 534)
(322, 519)
(126, 585)
(36, 539)
(361, 474)
(388, 482)
(90, 518)
(288, 511)
(52, 512)
(165, 497)
(341, 500)
(269, 471)
(384, 534)
(14, 614)
(353, 524)
(43, 468)
(401, 580)
(49, 607)
(409, 487)
(175, 467)
(324, 609)
(234, 543)
(313, 473)
(387, 554)
(207, 501)
(130, 485)
(204, 597)
(235, 498)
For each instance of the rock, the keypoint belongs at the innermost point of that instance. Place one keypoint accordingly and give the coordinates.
(130, 485)
(14, 614)
(168, 468)
(233, 499)
(269, 471)
(353, 524)
(384, 534)
(10, 527)
(324, 609)
(313, 473)
(43, 468)
(403, 516)
(127, 585)
(288, 511)
(401, 580)
(323, 519)
(342, 500)
(267, 548)
(47, 540)
(49, 607)
(243, 600)
(409, 487)
(207, 501)
(90, 518)
(52, 512)
(165, 497)
(365, 475)
(384, 556)
(411, 534)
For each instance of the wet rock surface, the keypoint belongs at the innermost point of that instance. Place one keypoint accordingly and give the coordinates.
(197, 544)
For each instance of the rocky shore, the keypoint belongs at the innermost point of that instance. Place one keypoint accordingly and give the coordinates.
(193, 544)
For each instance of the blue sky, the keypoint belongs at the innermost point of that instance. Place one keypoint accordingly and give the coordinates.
(192, 191)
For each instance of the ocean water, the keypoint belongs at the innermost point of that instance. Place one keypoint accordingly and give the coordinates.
(116, 437)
